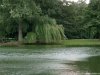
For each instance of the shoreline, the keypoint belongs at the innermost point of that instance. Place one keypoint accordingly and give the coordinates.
(66, 43)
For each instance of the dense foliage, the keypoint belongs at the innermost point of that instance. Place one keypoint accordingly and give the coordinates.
(92, 19)
(48, 20)
(48, 31)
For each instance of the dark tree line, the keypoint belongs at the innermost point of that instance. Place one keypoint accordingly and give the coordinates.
(78, 19)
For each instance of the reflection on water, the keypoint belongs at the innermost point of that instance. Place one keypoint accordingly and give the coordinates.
(43, 60)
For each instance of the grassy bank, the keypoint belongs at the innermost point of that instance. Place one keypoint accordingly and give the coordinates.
(68, 43)
(82, 42)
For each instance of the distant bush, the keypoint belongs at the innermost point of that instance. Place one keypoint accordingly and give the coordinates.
(30, 37)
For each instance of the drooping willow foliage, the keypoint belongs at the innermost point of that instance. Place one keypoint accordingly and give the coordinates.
(48, 31)
(30, 38)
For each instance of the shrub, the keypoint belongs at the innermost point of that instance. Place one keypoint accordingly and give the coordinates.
(30, 37)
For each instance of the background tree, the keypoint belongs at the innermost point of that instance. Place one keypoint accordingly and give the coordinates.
(47, 30)
(19, 10)
(80, 20)
(69, 14)
(92, 19)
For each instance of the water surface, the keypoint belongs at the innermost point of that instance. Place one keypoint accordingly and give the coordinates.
(49, 60)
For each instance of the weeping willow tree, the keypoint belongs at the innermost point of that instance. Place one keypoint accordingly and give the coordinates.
(48, 31)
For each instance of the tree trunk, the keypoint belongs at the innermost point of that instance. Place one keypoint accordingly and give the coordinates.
(20, 34)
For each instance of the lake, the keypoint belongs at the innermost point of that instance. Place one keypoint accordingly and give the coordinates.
(49, 60)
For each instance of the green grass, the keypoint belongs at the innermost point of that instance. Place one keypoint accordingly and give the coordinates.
(69, 43)
(82, 42)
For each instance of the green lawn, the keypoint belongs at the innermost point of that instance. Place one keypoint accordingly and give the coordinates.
(82, 42)
(69, 43)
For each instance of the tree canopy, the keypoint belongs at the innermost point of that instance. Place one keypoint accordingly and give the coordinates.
(48, 19)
